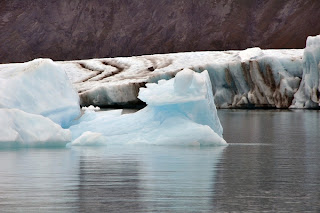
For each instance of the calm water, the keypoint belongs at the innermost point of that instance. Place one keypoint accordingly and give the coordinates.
(271, 165)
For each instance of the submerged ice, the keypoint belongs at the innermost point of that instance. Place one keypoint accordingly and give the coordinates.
(179, 111)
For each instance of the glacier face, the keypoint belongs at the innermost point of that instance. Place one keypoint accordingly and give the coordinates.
(39, 87)
(240, 79)
(309, 91)
(251, 78)
(180, 111)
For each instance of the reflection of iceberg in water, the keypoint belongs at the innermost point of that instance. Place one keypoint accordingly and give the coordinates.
(147, 179)
(109, 179)
(180, 180)
(38, 180)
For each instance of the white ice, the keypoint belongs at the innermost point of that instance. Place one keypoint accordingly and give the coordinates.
(180, 111)
(89, 139)
(91, 107)
(22, 129)
(309, 90)
(39, 87)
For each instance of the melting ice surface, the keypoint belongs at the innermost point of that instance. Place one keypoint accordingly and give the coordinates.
(180, 111)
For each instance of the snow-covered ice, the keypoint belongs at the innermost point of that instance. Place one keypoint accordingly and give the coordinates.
(39, 87)
(180, 111)
(22, 129)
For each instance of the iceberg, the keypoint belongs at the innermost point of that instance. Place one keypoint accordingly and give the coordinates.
(179, 111)
(39, 87)
(22, 129)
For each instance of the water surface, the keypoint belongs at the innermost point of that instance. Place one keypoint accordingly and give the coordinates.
(271, 165)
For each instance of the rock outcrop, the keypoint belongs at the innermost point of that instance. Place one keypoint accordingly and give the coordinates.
(68, 30)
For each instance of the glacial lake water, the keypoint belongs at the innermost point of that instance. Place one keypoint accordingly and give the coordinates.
(271, 165)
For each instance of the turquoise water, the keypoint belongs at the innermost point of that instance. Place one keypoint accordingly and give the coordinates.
(271, 165)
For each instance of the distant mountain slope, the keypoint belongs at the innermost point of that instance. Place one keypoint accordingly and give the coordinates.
(65, 30)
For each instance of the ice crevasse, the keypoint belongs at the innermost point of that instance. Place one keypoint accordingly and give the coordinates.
(179, 111)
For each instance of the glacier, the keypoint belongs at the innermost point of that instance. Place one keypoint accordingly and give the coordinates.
(309, 91)
(179, 111)
(251, 78)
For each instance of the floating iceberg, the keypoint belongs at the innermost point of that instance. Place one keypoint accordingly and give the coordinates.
(21, 129)
(39, 87)
(179, 111)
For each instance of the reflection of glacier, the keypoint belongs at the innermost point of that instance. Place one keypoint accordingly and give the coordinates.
(148, 179)
(275, 166)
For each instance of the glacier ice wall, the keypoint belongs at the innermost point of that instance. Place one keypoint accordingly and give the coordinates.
(39, 87)
(309, 91)
(180, 111)
(240, 79)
